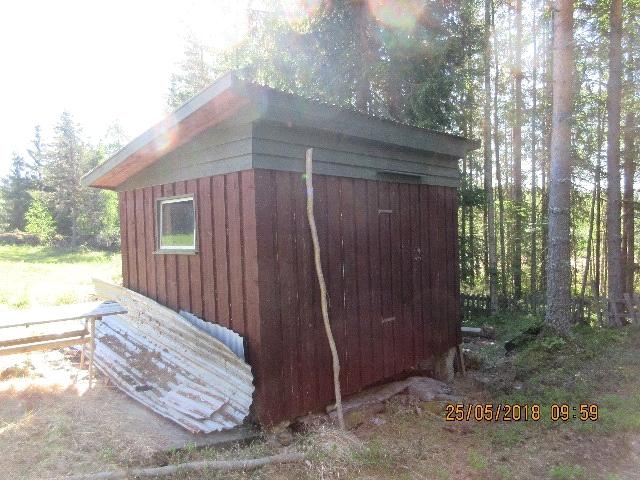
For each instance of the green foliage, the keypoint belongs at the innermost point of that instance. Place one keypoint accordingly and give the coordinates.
(567, 472)
(39, 220)
(477, 461)
(15, 196)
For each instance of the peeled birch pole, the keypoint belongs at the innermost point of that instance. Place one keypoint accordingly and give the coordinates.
(323, 286)
(218, 465)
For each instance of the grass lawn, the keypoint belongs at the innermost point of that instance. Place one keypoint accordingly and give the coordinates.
(45, 432)
(35, 276)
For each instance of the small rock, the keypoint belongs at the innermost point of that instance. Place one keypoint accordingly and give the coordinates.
(377, 421)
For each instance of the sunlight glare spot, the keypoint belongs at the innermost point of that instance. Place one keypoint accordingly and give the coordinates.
(400, 14)
(299, 11)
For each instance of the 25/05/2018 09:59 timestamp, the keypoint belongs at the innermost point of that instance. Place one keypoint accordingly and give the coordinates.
(516, 412)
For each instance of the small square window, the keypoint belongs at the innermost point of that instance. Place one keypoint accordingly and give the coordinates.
(176, 224)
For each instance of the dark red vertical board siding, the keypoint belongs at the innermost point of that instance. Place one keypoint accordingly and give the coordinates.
(321, 209)
(351, 325)
(138, 199)
(363, 283)
(377, 337)
(122, 207)
(205, 246)
(159, 260)
(270, 389)
(221, 251)
(149, 237)
(234, 239)
(392, 276)
(417, 254)
(195, 273)
(132, 252)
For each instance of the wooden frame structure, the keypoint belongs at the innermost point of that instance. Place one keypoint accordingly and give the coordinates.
(19, 321)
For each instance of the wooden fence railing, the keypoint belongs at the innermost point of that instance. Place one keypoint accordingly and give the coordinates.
(474, 306)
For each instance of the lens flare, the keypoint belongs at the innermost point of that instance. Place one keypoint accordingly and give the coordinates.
(297, 12)
(165, 138)
(400, 14)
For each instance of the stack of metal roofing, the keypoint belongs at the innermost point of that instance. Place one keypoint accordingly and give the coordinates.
(165, 362)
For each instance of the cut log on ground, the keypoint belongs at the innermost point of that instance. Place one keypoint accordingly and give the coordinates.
(218, 465)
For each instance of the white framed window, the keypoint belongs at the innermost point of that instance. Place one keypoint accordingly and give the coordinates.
(176, 220)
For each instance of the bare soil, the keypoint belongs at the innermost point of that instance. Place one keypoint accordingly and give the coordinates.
(51, 426)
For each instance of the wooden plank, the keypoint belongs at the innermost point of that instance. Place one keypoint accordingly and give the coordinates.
(426, 242)
(220, 250)
(141, 233)
(406, 275)
(334, 274)
(417, 257)
(195, 268)
(397, 326)
(206, 249)
(234, 245)
(375, 281)
(386, 281)
(183, 275)
(285, 277)
(251, 273)
(51, 345)
(171, 269)
(43, 338)
(439, 252)
(456, 318)
(364, 315)
(150, 235)
(350, 290)
(269, 385)
(159, 260)
(132, 252)
(321, 208)
(306, 284)
(61, 313)
(122, 208)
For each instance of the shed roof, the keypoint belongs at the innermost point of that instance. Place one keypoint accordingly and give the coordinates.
(228, 96)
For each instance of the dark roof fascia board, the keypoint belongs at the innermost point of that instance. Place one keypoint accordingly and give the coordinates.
(208, 94)
(274, 105)
(290, 109)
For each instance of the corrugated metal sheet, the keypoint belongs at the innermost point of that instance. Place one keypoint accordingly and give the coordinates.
(227, 336)
(166, 363)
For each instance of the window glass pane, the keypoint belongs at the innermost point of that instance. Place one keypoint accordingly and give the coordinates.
(177, 229)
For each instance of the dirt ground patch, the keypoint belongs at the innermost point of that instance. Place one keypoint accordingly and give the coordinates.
(49, 428)
(51, 425)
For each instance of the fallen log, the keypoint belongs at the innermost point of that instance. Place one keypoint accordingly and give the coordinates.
(219, 465)
(478, 332)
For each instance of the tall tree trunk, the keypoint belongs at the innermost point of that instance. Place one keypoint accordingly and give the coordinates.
(517, 158)
(587, 258)
(599, 140)
(559, 264)
(496, 142)
(488, 170)
(629, 210)
(614, 94)
(534, 133)
(629, 172)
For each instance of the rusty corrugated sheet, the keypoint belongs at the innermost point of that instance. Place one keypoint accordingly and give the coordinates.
(166, 363)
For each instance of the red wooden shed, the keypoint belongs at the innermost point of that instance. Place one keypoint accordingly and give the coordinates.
(212, 210)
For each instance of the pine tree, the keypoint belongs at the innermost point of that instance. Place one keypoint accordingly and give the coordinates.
(614, 94)
(559, 264)
(62, 177)
(14, 192)
(38, 160)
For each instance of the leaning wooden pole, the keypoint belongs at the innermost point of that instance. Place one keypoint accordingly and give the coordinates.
(323, 286)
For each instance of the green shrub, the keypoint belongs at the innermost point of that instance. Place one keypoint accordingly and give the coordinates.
(39, 220)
